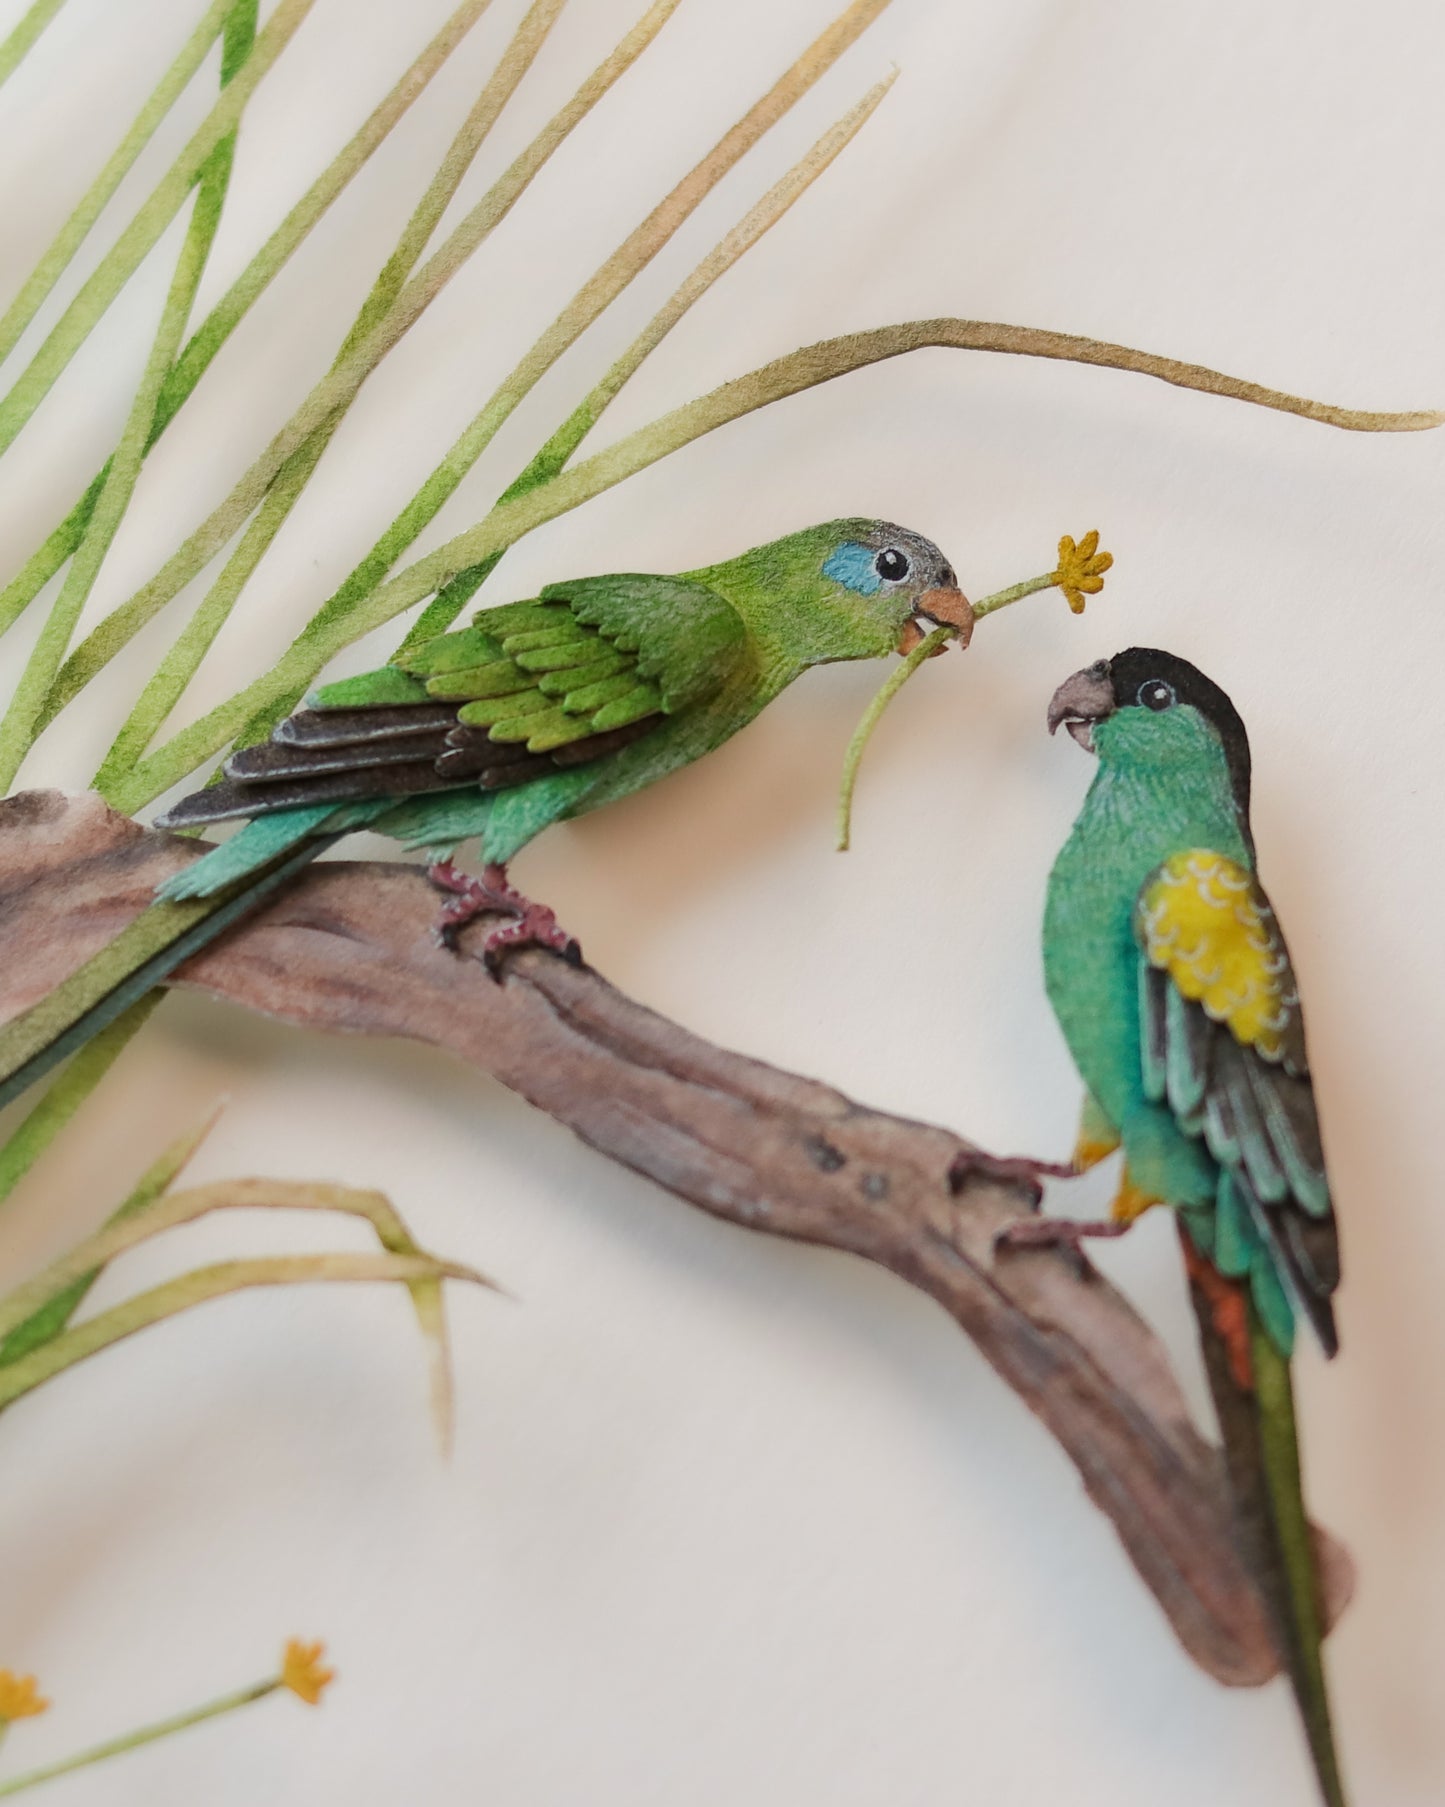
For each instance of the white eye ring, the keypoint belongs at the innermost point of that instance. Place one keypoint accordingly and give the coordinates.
(1154, 693)
(892, 565)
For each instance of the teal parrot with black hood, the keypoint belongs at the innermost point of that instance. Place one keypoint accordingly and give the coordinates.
(538, 712)
(1169, 975)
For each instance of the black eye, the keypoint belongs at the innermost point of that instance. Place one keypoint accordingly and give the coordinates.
(1156, 694)
(892, 565)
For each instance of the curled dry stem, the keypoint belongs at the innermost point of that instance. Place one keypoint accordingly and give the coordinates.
(158, 1214)
(214, 1282)
(791, 375)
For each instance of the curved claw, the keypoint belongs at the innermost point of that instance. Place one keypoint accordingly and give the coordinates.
(1067, 1234)
(531, 925)
(1020, 1172)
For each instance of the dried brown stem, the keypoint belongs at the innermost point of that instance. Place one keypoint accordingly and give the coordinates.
(350, 948)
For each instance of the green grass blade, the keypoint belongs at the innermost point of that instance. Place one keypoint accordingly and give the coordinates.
(233, 306)
(124, 257)
(169, 682)
(50, 555)
(56, 260)
(12, 51)
(39, 1128)
(554, 456)
(475, 129)
(336, 390)
(23, 1328)
(19, 725)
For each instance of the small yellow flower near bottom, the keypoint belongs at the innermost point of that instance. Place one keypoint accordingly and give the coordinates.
(19, 1697)
(303, 1673)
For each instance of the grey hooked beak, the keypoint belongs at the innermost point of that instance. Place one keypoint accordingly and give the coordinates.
(945, 606)
(1082, 700)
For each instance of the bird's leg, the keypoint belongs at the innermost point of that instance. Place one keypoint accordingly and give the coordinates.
(1019, 1171)
(1130, 1204)
(1096, 1141)
(1026, 1174)
(1067, 1234)
(493, 894)
(1058, 1232)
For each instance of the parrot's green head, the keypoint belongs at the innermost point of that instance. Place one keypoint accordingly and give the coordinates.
(850, 589)
(1153, 716)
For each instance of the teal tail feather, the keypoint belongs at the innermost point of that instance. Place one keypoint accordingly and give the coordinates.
(254, 849)
(1254, 1399)
(145, 953)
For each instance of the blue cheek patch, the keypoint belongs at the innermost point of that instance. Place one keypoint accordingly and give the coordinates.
(852, 565)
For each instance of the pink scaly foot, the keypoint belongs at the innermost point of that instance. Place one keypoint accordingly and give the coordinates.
(1067, 1234)
(1019, 1171)
(1058, 1232)
(532, 924)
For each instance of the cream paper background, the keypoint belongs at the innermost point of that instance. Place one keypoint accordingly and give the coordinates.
(728, 1520)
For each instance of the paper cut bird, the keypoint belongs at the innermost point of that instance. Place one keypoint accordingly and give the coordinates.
(1170, 979)
(538, 712)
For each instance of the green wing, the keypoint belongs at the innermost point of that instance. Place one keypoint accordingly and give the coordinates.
(584, 658)
(528, 689)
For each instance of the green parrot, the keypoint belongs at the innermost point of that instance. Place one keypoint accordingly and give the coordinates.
(1172, 984)
(538, 712)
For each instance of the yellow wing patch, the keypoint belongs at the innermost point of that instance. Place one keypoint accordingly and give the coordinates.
(1203, 919)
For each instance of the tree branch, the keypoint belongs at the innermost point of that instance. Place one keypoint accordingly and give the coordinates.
(350, 948)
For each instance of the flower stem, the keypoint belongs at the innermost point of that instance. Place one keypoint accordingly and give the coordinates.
(163, 1728)
(1002, 598)
(872, 715)
(899, 676)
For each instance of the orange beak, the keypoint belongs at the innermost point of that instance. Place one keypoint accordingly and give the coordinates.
(945, 606)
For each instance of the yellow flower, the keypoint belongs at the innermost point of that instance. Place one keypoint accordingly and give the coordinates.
(302, 1671)
(1081, 569)
(18, 1697)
